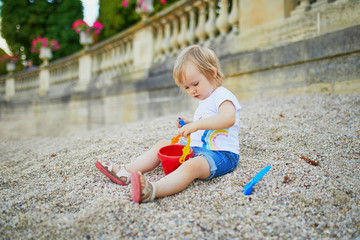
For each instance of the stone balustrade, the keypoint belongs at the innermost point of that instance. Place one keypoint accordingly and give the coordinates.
(127, 67)
(129, 55)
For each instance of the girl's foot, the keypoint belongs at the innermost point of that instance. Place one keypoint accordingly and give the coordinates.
(141, 189)
(117, 174)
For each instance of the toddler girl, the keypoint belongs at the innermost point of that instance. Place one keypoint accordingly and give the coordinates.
(213, 132)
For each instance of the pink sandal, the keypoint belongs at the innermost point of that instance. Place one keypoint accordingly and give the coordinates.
(147, 194)
(106, 169)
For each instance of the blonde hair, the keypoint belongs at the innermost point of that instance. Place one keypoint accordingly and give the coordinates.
(204, 59)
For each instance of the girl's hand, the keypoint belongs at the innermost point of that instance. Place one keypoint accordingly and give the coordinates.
(184, 119)
(187, 129)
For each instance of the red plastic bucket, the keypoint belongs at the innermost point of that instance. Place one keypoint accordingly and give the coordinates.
(170, 155)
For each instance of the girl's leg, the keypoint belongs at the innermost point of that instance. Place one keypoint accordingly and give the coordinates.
(146, 161)
(178, 180)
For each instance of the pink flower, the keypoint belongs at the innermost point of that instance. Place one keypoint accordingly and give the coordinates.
(163, 1)
(125, 3)
(39, 42)
(8, 59)
(97, 25)
(78, 24)
(81, 26)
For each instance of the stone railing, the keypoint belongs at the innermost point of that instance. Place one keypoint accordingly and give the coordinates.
(266, 48)
(227, 26)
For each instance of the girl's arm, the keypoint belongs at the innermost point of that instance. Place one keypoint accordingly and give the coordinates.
(224, 119)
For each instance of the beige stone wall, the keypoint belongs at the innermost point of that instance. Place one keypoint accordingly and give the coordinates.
(254, 13)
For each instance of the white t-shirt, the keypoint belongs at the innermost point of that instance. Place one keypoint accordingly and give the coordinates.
(222, 139)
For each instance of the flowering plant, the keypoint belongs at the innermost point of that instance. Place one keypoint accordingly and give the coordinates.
(81, 25)
(39, 42)
(7, 58)
(140, 3)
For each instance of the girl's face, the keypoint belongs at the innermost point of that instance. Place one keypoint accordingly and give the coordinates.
(195, 83)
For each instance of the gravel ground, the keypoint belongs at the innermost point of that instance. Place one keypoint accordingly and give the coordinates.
(50, 188)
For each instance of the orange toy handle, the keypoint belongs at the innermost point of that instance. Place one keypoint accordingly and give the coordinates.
(175, 140)
(186, 151)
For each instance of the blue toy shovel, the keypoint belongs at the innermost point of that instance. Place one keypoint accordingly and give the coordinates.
(182, 123)
(248, 188)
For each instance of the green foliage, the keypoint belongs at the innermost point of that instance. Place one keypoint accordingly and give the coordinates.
(117, 18)
(14, 17)
(24, 20)
(60, 27)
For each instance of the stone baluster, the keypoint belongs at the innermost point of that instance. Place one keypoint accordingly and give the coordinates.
(112, 60)
(175, 34)
(131, 50)
(183, 29)
(117, 57)
(94, 63)
(166, 40)
(158, 42)
(190, 34)
(86, 63)
(122, 52)
(44, 81)
(106, 58)
(222, 22)
(210, 26)
(9, 88)
(200, 30)
(234, 16)
(102, 61)
(123, 56)
(303, 7)
(129, 55)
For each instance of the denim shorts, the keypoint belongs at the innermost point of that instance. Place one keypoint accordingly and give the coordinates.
(221, 162)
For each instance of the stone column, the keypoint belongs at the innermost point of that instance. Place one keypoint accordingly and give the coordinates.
(142, 48)
(44, 81)
(84, 72)
(9, 88)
